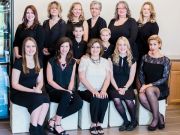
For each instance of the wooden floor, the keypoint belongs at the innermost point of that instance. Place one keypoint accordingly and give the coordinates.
(172, 127)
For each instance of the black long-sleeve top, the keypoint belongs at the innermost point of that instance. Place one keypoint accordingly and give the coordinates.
(129, 30)
(52, 35)
(144, 32)
(37, 33)
(94, 32)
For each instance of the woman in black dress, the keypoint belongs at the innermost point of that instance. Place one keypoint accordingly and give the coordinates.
(122, 76)
(61, 73)
(96, 23)
(55, 28)
(76, 16)
(30, 27)
(124, 25)
(27, 82)
(153, 75)
(147, 26)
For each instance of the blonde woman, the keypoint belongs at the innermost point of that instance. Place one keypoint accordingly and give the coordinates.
(76, 16)
(147, 26)
(123, 68)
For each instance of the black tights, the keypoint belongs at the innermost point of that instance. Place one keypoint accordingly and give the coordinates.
(149, 99)
(130, 106)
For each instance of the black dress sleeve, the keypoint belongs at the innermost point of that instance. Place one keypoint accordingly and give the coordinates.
(102, 24)
(154, 29)
(18, 64)
(141, 72)
(45, 26)
(17, 40)
(133, 31)
(166, 71)
(63, 28)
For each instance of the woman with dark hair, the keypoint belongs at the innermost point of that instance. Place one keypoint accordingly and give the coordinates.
(94, 75)
(153, 76)
(60, 76)
(123, 25)
(27, 82)
(30, 27)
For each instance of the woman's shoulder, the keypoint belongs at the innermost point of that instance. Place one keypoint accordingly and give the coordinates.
(61, 21)
(18, 64)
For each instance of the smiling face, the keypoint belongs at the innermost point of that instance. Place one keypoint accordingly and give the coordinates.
(30, 48)
(30, 15)
(121, 10)
(95, 10)
(146, 11)
(95, 49)
(64, 48)
(78, 32)
(122, 47)
(77, 10)
(105, 36)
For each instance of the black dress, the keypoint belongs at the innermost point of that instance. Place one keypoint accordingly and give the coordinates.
(144, 32)
(155, 71)
(68, 103)
(52, 35)
(121, 75)
(94, 32)
(108, 51)
(37, 33)
(129, 30)
(70, 25)
(29, 100)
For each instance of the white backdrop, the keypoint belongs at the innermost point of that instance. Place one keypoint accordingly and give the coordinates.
(168, 16)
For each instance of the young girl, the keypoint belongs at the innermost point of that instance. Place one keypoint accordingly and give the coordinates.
(27, 82)
(123, 68)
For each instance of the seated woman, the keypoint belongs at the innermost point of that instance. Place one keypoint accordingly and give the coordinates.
(123, 68)
(153, 76)
(60, 77)
(27, 82)
(94, 75)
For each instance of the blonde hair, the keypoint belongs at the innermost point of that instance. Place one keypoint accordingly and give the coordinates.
(70, 14)
(105, 30)
(94, 2)
(59, 8)
(35, 57)
(156, 38)
(128, 15)
(152, 12)
(115, 56)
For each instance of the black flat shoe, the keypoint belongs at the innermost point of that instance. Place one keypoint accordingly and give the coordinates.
(124, 126)
(161, 125)
(151, 128)
(132, 126)
(93, 131)
(41, 130)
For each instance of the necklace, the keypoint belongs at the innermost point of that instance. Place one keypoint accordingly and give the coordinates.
(95, 61)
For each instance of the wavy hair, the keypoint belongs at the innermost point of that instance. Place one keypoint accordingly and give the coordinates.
(70, 14)
(152, 12)
(59, 8)
(35, 57)
(115, 56)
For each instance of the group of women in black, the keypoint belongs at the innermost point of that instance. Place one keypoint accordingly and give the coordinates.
(128, 46)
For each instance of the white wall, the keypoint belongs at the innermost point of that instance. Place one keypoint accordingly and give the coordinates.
(168, 16)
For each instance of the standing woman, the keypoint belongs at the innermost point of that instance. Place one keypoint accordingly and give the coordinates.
(153, 76)
(147, 26)
(61, 72)
(27, 83)
(123, 69)
(124, 25)
(94, 75)
(30, 27)
(76, 16)
(55, 28)
(96, 23)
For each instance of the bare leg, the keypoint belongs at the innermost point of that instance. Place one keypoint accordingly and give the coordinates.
(43, 113)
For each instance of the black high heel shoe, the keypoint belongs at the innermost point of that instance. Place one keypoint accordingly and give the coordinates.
(51, 128)
(161, 125)
(151, 128)
(61, 133)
